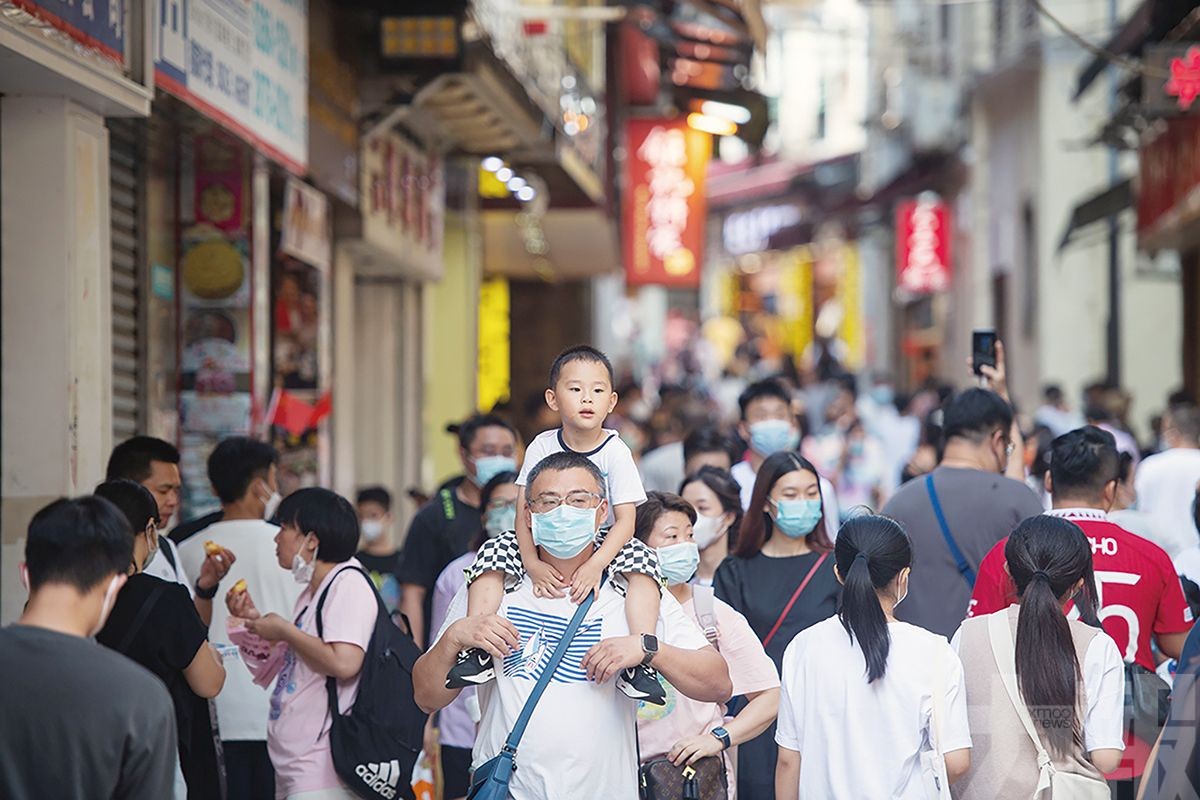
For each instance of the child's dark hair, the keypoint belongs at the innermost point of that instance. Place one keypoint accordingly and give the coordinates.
(870, 551)
(1047, 556)
(327, 514)
(580, 352)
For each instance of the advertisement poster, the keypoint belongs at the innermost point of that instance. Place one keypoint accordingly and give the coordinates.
(243, 64)
(97, 24)
(215, 291)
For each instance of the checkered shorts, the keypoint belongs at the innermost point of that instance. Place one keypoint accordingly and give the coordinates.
(503, 554)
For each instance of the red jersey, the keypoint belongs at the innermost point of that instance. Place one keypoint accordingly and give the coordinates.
(1139, 592)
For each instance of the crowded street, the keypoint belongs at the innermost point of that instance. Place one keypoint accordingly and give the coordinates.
(599, 400)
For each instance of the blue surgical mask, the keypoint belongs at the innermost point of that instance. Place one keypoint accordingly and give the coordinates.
(678, 562)
(488, 467)
(565, 531)
(883, 395)
(796, 518)
(772, 436)
(500, 519)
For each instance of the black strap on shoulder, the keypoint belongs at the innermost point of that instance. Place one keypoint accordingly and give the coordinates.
(447, 499)
(331, 682)
(140, 619)
(168, 553)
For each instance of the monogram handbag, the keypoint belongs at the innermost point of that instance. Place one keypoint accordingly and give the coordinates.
(704, 780)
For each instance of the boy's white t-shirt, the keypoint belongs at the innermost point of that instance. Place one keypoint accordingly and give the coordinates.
(862, 740)
(242, 707)
(622, 482)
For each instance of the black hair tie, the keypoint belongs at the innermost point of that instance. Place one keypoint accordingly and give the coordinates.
(862, 557)
(1041, 573)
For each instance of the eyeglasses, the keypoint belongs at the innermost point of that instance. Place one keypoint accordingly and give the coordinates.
(498, 503)
(576, 499)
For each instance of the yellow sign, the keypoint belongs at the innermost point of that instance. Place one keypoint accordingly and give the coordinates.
(796, 300)
(494, 378)
(849, 295)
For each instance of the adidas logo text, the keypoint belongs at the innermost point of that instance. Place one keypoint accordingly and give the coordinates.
(381, 778)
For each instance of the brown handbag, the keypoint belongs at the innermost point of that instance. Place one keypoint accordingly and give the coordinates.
(704, 780)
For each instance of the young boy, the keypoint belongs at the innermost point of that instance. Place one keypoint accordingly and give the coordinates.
(581, 392)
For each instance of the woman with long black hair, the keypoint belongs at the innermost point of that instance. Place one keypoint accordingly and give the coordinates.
(864, 696)
(781, 579)
(1031, 670)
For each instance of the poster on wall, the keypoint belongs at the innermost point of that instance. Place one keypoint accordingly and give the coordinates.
(215, 314)
(242, 64)
(300, 290)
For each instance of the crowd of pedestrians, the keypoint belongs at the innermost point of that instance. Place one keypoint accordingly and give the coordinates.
(821, 590)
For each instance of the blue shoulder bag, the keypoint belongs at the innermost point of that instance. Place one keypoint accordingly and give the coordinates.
(490, 780)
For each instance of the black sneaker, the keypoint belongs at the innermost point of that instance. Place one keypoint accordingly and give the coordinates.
(473, 667)
(641, 683)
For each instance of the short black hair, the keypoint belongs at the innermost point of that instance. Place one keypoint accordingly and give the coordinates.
(709, 439)
(131, 458)
(375, 494)
(1083, 462)
(133, 500)
(974, 414)
(467, 429)
(79, 543)
(1052, 392)
(561, 462)
(581, 352)
(764, 388)
(657, 504)
(327, 514)
(1185, 418)
(237, 462)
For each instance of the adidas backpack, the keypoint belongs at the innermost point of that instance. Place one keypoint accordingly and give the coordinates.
(375, 746)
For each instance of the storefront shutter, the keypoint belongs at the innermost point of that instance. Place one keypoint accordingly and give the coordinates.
(126, 287)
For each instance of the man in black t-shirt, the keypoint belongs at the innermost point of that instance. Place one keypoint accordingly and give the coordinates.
(77, 719)
(379, 554)
(445, 527)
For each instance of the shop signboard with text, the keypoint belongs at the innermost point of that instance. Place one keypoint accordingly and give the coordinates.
(96, 24)
(243, 64)
(664, 208)
(923, 246)
(1169, 169)
(403, 198)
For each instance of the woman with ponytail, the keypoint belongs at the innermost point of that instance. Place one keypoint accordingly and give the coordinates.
(863, 694)
(1066, 676)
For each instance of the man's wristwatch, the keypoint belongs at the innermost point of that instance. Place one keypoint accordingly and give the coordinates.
(206, 594)
(649, 647)
(722, 735)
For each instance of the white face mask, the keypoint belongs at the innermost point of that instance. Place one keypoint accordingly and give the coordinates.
(372, 529)
(271, 505)
(708, 529)
(302, 571)
(106, 606)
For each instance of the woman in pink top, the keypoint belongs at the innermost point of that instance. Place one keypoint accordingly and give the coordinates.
(686, 730)
(316, 541)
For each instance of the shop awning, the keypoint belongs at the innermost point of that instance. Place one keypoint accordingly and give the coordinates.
(579, 243)
(1112, 200)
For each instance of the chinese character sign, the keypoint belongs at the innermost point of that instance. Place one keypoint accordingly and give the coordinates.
(664, 208)
(923, 246)
(244, 64)
(403, 197)
(98, 24)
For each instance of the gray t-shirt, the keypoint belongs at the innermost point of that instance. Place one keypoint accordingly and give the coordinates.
(981, 508)
(79, 720)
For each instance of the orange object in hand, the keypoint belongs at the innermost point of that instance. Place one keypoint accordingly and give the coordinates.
(240, 586)
(212, 548)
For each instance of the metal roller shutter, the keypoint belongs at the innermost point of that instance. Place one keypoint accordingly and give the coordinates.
(126, 286)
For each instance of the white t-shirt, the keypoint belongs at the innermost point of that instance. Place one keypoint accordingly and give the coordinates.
(243, 707)
(1187, 564)
(580, 740)
(1104, 684)
(745, 475)
(1166, 487)
(622, 483)
(161, 567)
(863, 740)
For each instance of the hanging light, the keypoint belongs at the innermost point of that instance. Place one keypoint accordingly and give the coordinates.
(492, 163)
(526, 193)
(515, 183)
(504, 174)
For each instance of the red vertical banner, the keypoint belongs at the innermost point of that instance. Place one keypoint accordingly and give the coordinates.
(923, 246)
(664, 206)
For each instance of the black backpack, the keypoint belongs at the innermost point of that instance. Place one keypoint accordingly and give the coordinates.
(376, 745)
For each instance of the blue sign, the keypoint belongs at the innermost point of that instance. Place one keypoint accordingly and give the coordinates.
(99, 24)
